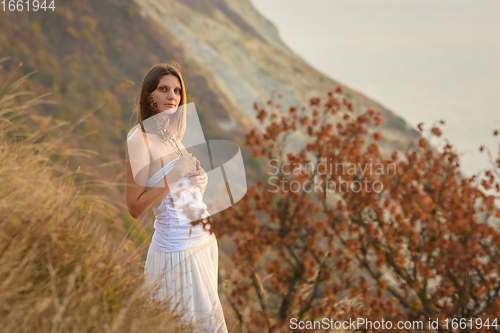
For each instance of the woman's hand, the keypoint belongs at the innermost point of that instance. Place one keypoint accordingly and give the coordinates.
(199, 178)
(185, 165)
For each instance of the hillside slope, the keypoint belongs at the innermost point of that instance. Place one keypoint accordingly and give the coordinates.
(243, 53)
(91, 56)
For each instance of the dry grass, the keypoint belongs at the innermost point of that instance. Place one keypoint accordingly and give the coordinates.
(58, 273)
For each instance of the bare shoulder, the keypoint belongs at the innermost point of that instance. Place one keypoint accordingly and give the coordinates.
(161, 153)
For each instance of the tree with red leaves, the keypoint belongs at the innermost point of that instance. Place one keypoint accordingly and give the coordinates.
(342, 229)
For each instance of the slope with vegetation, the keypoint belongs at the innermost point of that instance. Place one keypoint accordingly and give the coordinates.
(59, 272)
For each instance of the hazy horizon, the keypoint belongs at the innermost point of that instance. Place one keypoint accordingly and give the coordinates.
(423, 60)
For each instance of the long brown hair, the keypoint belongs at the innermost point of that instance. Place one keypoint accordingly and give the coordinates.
(177, 121)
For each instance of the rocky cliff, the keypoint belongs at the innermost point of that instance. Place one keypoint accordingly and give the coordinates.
(87, 52)
(243, 53)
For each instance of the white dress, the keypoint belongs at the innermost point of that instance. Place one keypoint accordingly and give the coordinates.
(182, 263)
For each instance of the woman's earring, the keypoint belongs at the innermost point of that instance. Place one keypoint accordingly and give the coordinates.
(153, 105)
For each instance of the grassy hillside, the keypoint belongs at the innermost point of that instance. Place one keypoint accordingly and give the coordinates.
(88, 52)
(90, 56)
(59, 270)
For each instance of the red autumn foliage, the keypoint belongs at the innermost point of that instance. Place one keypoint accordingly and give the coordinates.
(436, 131)
(393, 236)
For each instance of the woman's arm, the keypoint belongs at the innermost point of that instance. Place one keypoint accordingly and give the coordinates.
(139, 200)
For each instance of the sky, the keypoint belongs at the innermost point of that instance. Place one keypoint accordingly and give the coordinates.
(424, 60)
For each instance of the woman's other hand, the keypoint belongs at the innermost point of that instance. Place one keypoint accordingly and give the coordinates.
(185, 165)
(199, 178)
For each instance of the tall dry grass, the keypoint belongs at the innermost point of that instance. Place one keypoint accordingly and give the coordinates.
(58, 272)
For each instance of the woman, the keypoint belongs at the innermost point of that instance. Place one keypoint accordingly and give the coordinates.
(182, 259)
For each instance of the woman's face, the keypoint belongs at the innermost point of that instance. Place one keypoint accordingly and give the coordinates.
(168, 94)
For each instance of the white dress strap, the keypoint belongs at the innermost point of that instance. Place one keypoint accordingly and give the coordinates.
(161, 173)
